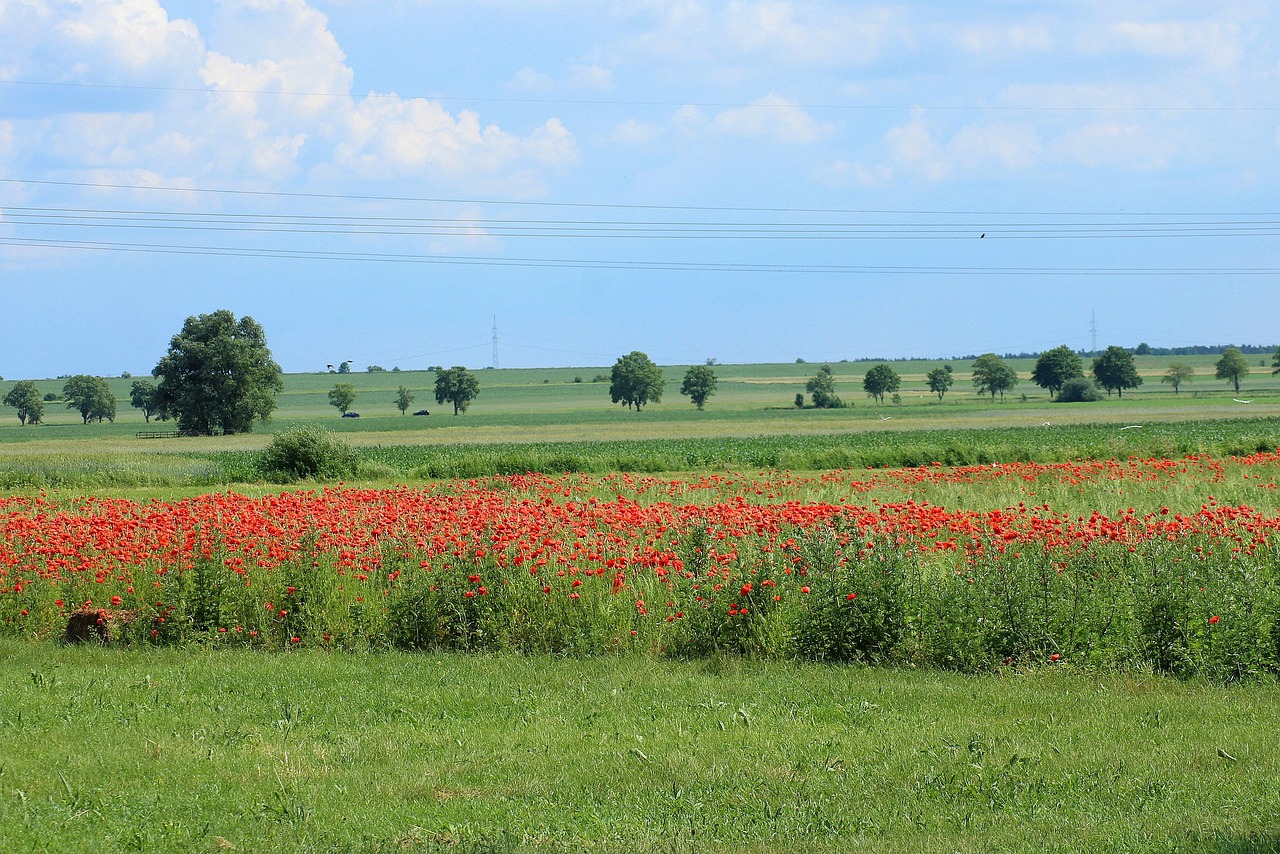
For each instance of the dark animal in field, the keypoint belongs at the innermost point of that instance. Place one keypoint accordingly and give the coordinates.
(422, 412)
(351, 415)
(94, 624)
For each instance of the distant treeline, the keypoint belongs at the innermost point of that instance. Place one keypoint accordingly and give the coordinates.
(1140, 350)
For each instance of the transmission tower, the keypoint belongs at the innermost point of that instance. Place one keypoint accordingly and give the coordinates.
(495, 341)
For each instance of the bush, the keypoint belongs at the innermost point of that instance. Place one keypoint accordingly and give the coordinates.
(306, 452)
(1079, 390)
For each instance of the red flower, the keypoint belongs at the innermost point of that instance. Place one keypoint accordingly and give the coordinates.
(1213, 621)
(851, 597)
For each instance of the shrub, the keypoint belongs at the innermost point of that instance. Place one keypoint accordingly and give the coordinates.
(306, 452)
(1078, 390)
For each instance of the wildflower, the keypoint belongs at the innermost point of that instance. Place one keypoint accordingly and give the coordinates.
(1213, 621)
(851, 597)
(805, 589)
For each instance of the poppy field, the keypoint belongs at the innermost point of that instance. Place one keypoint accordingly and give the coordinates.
(1166, 565)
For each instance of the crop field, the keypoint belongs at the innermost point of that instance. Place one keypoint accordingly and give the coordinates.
(553, 624)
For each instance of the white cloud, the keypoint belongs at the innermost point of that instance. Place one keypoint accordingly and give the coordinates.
(973, 150)
(280, 100)
(913, 147)
(789, 33)
(632, 132)
(1208, 42)
(998, 40)
(774, 118)
(1134, 147)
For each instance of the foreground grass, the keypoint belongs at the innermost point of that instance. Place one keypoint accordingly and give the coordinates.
(186, 750)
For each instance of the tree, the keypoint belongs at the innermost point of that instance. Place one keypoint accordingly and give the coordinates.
(1178, 373)
(404, 399)
(940, 379)
(91, 397)
(1115, 370)
(218, 375)
(881, 380)
(142, 395)
(822, 388)
(458, 386)
(1231, 367)
(635, 380)
(342, 396)
(25, 397)
(699, 384)
(1055, 367)
(1275, 362)
(992, 375)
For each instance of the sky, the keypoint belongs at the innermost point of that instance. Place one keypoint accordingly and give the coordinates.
(395, 183)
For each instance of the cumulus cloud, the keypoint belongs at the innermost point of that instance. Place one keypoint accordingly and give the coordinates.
(278, 102)
(632, 132)
(974, 149)
(792, 33)
(772, 117)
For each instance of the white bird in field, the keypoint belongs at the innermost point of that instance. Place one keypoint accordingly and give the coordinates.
(1047, 424)
(886, 417)
(1238, 400)
(1131, 427)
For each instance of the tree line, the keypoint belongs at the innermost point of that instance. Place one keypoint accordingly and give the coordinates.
(218, 376)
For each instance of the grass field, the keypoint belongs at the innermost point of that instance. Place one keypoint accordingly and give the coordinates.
(179, 750)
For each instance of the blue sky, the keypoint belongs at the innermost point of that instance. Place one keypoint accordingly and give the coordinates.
(755, 180)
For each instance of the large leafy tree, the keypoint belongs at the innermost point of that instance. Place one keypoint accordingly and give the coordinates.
(1115, 370)
(142, 395)
(822, 388)
(940, 379)
(342, 396)
(881, 380)
(1178, 373)
(91, 397)
(635, 380)
(699, 384)
(25, 397)
(1055, 367)
(458, 386)
(992, 376)
(218, 376)
(1275, 361)
(1231, 367)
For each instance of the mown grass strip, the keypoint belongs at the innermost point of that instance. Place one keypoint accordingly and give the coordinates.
(185, 750)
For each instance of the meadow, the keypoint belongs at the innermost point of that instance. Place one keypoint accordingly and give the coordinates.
(931, 625)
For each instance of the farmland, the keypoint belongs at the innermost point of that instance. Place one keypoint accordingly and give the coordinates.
(949, 624)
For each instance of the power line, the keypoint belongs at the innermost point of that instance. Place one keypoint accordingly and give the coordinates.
(676, 266)
(353, 197)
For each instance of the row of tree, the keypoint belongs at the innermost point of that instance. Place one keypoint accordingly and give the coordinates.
(218, 376)
(1060, 371)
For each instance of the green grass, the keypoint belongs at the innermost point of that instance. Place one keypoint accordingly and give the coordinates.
(188, 750)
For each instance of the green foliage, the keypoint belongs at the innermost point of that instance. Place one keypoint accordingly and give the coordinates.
(458, 386)
(1275, 361)
(1055, 367)
(1115, 370)
(881, 380)
(1177, 374)
(940, 380)
(91, 397)
(404, 399)
(822, 389)
(991, 375)
(1078, 390)
(1231, 367)
(306, 452)
(855, 610)
(699, 384)
(342, 396)
(25, 397)
(218, 375)
(635, 380)
(142, 395)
